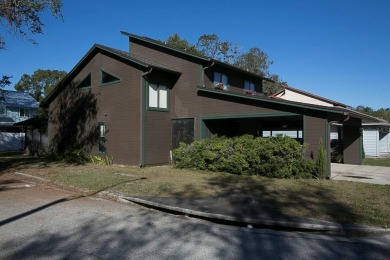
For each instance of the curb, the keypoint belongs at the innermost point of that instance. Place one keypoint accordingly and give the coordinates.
(332, 228)
(355, 230)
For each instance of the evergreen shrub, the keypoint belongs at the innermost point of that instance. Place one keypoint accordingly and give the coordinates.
(277, 157)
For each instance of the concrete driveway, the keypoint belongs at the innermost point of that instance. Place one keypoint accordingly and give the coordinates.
(361, 173)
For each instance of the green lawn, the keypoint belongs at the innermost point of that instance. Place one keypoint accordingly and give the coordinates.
(338, 201)
(377, 162)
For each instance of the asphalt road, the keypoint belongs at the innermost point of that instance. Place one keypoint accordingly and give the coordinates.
(45, 223)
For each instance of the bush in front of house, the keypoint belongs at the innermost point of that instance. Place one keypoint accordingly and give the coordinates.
(278, 157)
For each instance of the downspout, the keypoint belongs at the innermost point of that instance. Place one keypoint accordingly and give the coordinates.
(142, 120)
(205, 68)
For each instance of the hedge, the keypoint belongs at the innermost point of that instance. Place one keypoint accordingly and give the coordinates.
(278, 157)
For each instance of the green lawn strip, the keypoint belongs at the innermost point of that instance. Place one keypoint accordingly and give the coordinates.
(377, 162)
(338, 201)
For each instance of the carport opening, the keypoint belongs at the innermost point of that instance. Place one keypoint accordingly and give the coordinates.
(291, 126)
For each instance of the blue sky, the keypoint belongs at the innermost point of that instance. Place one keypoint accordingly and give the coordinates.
(338, 49)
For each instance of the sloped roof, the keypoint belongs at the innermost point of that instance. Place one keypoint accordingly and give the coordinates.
(334, 103)
(96, 48)
(18, 99)
(336, 109)
(199, 57)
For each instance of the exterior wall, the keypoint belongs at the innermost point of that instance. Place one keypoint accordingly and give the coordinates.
(13, 112)
(294, 96)
(384, 141)
(11, 141)
(157, 125)
(352, 144)
(184, 98)
(117, 105)
(314, 129)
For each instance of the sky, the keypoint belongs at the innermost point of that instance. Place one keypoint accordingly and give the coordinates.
(337, 49)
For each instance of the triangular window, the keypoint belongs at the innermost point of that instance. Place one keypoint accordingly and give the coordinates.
(86, 82)
(108, 78)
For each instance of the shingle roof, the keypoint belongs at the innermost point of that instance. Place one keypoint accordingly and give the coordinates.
(199, 57)
(96, 48)
(18, 99)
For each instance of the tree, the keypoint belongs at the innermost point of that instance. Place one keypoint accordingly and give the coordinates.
(40, 84)
(5, 81)
(270, 88)
(179, 43)
(255, 61)
(210, 45)
(23, 17)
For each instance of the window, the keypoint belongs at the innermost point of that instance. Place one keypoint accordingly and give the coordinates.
(249, 85)
(85, 83)
(102, 137)
(107, 78)
(158, 96)
(182, 131)
(23, 112)
(221, 78)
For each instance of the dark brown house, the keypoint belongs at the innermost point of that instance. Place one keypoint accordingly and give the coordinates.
(137, 106)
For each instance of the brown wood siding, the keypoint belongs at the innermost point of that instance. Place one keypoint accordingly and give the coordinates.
(184, 98)
(352, 144)
(314, 129)
(116, 104)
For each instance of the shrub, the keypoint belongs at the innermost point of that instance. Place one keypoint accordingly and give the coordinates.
(279, 157)
(321, 161)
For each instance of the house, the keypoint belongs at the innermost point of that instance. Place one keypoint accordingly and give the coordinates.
(376, 137)
(14, 107)
(138, 105)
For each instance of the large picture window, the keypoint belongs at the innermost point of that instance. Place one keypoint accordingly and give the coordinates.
(158, 96)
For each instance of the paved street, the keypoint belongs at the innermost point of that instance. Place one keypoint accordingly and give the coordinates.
(39, 222)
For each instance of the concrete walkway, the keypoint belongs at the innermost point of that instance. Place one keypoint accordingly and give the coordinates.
(361, 173)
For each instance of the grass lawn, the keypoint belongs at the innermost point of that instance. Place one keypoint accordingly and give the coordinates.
(338, 201)
(377, 162)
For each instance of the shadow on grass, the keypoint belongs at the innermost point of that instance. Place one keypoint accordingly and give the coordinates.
(264, 198)
(19, 162)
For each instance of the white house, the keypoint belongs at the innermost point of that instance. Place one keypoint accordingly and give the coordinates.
(376, 136)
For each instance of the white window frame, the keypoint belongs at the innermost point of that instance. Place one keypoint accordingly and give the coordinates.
(26, 112)
(158, 97)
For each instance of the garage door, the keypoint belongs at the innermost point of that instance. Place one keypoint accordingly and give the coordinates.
(370, 142)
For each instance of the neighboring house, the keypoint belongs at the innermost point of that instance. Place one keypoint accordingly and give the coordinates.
(376, 137)
(137, 106)
(14, 107)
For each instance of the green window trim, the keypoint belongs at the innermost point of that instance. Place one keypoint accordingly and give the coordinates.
(157, 108)
(114, 79)
(85, 83)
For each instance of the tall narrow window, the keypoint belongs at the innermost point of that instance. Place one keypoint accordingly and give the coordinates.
(107, 78)
(158, 96)
(102, 141)
(220, 78)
